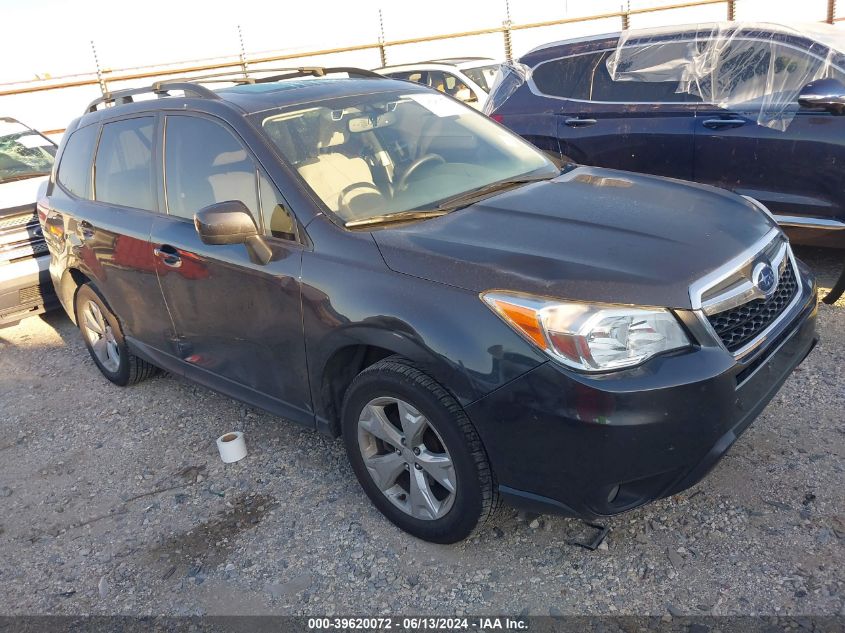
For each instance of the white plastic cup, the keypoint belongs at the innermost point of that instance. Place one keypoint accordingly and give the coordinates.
(231, 447)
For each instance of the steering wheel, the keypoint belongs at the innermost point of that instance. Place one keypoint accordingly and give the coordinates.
(422, 160)
(345, 196)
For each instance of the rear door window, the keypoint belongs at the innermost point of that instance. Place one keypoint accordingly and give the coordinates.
(123, 171)
(74, 172)
(586, 78)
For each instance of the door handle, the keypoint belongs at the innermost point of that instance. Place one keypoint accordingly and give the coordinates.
(87, 229)
(577, 122)
(168, 255)
(718, 124)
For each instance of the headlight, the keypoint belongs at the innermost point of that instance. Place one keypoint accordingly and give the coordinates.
(589, 337)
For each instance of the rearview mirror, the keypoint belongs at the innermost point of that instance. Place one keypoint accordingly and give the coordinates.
(227, 222)
(824, 94)
(231, 222)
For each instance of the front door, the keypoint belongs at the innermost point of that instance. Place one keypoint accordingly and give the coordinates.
(238, 322)
(761, 144)
(643, 126)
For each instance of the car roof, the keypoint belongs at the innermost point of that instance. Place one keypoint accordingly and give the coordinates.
(453, 62)
(807, 32)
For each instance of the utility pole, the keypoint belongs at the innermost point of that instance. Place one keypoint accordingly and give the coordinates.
(381, 49)
(506, 31)
(244, 64)
(104, 89)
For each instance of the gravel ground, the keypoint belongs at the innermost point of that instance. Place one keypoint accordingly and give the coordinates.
(114, 501)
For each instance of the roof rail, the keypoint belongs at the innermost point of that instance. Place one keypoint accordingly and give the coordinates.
(241, 77)
(192, 85)
(160, 88)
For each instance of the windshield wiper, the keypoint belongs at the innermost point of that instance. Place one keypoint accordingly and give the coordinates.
(473, 195)
(399, 216)
(450, 204)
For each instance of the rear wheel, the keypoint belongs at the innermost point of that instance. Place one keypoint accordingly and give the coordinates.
(104, 339)
(416, 454)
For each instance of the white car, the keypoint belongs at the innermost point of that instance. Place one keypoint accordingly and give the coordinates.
(26, 158)
(466, 78)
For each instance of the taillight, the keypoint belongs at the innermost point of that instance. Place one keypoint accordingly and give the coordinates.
(498, 118)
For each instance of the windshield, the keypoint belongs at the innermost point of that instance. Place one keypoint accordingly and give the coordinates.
(393, 152)
(483, 75)
(23, 152)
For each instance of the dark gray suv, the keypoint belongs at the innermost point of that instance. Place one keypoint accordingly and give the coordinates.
(373, 259)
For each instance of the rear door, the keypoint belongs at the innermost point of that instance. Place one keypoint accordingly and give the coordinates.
(634, 125)
(796, 171)
(109, 205)
(238, 322)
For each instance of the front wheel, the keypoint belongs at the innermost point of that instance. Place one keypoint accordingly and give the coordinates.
(416, 454)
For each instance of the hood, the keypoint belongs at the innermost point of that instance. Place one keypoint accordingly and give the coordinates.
(590, 235)
(18, 193)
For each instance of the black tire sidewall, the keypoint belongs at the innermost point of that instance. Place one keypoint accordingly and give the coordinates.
(466, 509)
(87, 292)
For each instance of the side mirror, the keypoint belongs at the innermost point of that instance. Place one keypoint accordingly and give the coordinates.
(231, 222)
(225, 223)
(823, 94)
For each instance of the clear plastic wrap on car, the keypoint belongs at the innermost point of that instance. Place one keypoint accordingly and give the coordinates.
(754, 69)
(508, 80)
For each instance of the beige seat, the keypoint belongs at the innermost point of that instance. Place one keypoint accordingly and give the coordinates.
(234, 179)
(332, 173)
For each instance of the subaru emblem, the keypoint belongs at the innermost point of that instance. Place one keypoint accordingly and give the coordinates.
(764, 278)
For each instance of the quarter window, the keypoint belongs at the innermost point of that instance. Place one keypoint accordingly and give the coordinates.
(75, 169)
(123, 171)
(206, 164)
(277, 218)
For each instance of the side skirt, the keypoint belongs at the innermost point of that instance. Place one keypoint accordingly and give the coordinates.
(222, 385)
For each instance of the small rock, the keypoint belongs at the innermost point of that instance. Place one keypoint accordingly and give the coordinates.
(676, 559)
(358, 554)
(603, 546)
(103, 587)
(230, 567)
(5, 491)
(555, 612)
(497, 533)
(534, 524)
(674, 611)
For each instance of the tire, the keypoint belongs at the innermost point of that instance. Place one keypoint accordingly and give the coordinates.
(417, 501)
(118, 364)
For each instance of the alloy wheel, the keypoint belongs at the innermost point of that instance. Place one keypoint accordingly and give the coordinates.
(100, 336)
(406, 458)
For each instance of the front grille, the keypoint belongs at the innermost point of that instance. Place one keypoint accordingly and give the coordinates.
(740, 325)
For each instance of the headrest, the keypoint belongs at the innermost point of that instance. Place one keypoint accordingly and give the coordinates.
(229, 158)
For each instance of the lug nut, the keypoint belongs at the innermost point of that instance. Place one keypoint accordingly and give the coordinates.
(404, 441)
(416, 451)
(417, 466)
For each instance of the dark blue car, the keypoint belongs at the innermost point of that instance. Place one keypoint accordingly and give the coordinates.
(751, 108)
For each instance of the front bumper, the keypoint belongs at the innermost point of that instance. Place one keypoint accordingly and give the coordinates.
(592, 446)
(25, 289)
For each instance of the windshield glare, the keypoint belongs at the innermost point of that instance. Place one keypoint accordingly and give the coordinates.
(373, 155)
(483, 75)
(23, 152)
